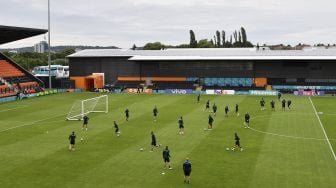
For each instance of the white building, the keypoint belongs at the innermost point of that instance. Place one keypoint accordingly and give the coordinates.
(41, 47)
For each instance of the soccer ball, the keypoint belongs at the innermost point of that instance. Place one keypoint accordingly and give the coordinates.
(82, 139)
(141, 149)
(227, 149)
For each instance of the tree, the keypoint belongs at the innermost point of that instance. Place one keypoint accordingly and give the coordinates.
(239, 37)
(218, 38)
(154, 46)
(215, 40)
(134, 47)
(204, 43)
(243, 33)
(235, 36)
(223, 38)
(193, 42)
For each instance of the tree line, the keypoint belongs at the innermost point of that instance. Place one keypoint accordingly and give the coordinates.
(29, 60)
(238, 39)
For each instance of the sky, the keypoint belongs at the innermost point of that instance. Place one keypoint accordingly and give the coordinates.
(123, 23)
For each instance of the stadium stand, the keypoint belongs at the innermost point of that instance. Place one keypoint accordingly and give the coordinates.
(16, 80)
(8, 70)
(13, 78)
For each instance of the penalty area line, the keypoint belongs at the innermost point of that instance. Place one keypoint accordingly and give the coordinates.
(9, 109)
(322, 127)
(32, 123)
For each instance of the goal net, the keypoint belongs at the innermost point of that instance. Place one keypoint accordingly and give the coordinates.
(84, 107)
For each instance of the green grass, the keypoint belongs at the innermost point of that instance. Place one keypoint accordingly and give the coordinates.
(285, 149)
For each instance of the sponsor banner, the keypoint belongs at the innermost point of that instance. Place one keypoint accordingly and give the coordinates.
(160, 91)
(179, 91)
(320, 93)
(305, 93)
(44, 93)
(242, 93)
(7, 99)
(228, 92)
(132, 90)
(263, 92)
(309, 93)
(148, 91)
(304, 87)
(218, 92)
(210, 92)
(135, 90)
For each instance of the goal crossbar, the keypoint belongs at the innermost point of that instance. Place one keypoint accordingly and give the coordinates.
(93, 105)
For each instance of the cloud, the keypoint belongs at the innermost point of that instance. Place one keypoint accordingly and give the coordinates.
(122, 23)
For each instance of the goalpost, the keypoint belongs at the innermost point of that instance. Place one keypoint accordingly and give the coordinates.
(84, 107)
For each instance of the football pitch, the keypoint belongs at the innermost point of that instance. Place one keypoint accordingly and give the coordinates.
(292, 148)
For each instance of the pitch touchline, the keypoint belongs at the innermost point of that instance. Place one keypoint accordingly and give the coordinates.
(325, 134)
(287, 136)
(32, 123)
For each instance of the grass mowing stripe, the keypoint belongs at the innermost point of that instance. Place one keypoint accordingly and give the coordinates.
(325, 134)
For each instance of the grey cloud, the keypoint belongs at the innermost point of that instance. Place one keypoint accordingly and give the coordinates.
(122, 23)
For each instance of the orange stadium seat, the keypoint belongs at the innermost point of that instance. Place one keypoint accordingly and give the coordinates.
(8, 70)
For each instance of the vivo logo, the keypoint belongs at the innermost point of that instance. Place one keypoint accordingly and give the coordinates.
(178, 91)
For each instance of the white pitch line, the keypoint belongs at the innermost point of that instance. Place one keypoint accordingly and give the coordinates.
(287, 136)
(325, 134)
(6, 110)
(32, 123)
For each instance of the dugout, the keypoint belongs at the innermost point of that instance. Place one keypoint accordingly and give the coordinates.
(88, 82)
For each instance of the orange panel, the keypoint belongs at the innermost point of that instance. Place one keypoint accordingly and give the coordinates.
(169, 79)
(80, 81)
(98, 82)
(260, 82)
(128, 78)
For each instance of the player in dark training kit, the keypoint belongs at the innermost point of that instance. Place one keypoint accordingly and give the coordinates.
(187, 171)
(289, 103)
(207, 105)
(279, 96)
(198, 98)
(181, 125)
(237, 110)
(85, 122)
(283, 104)
(154, 144)
(155, 112)
(72, 139)
(117, 132)
(273, 105)
(237, 143)
(166, 158)
(247, 120)
(214, 109)
(127, 114)
(262, 104)
(210, 121)
(226, 111)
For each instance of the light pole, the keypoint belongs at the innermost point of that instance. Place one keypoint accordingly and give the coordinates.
(49, 59)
